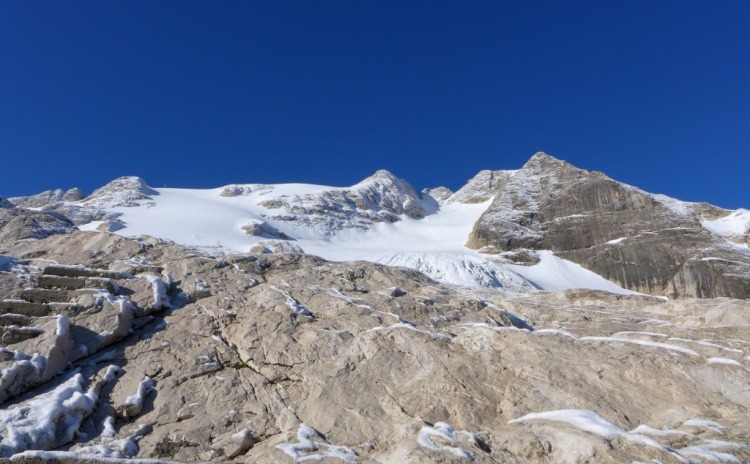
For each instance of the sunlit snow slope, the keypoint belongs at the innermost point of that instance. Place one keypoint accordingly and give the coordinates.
(433, 244)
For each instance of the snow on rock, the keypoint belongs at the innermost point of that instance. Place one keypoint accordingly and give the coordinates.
(705, 424)
(123, 323)
(133, 404)
(161, 300)
(708, 450)
(52, 419)
(727, 361)
(27, 371)
(439, 194)
(698, 446)
(310, 447)
(591, 422)
(412, 327)
(442, 432)
(47, 197)
(126, 191)
(733, 226)
(275, 246)
(381, 219)
(665, 346)
(296, 307)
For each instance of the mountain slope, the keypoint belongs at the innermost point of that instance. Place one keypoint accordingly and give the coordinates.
(500, 230)
(644, 242)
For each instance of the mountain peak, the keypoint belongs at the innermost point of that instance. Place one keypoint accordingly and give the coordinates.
(382, 174)
(541, 160)
(388, 180)
(123, 191)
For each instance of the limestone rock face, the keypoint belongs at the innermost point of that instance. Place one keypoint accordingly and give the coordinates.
(439, 194)
(48, 197)
(22, 224)
(286, 357)
(123, 191)
(381, 197)
(643, 242)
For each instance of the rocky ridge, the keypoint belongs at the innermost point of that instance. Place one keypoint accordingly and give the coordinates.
(381, 197)
(47, 197)
(648, 243)
(642, 242)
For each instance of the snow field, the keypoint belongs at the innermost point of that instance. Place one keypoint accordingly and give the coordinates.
(434, 245)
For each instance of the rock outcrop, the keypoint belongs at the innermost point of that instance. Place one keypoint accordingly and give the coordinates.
(285, 357)
(21, 224)
(643, 242)
(47, 197)
(123, 191)
(381, 197)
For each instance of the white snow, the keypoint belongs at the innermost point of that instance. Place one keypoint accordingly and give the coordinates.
(308, 448)
(728, 361)
(707, 451)
(556, 274)
(735, 224)
(705, 424)
(665, 346)
(160, 291)
(554, 332)
(412, 327)
(445, 432)
(648, 430)
(591, 422)
(616, 241)
(49, 420)
(133, 404)
(705, 343)
(296, 307)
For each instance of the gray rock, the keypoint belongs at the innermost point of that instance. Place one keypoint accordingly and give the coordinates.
(439, 374)
(21, 224)
(643, 242)
(275, 246)
(123, 191)
(47, 197)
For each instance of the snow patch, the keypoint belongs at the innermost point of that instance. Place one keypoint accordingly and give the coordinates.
(589, 421)
(133, 404)
(52, 419)
(735, 224)
(665, 346)
(309, 448)
(160, 291)
(446, 433)
(296, 307)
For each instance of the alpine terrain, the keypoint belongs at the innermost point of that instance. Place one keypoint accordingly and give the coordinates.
(546, 314)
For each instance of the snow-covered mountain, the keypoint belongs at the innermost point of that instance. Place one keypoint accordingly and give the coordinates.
(547, 226)
(199, 326)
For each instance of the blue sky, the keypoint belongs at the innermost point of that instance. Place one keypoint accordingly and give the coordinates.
(202, 94)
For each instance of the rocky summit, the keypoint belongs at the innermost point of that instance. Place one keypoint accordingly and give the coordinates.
(541, 315)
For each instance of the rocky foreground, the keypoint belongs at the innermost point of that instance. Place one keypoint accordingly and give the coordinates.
(119, 348)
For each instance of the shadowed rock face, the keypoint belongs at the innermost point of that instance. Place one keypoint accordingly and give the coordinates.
(643, 242)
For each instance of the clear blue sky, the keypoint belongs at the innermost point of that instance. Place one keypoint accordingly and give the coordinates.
(202, 94)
